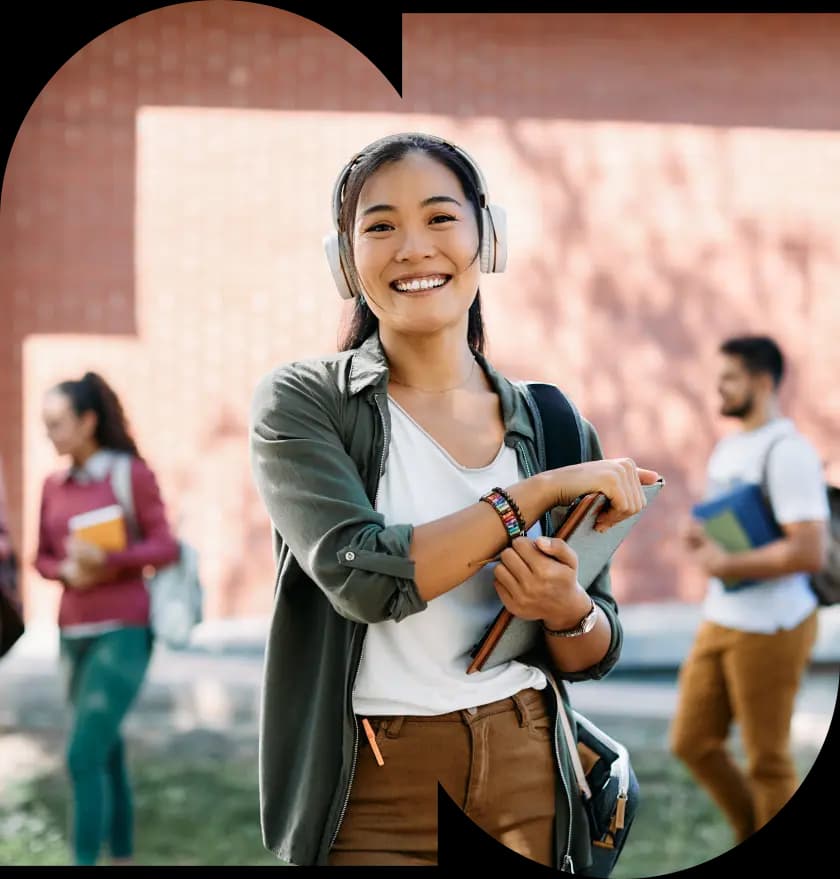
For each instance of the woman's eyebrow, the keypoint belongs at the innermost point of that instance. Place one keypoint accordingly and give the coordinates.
(432, 199)
(439, 199)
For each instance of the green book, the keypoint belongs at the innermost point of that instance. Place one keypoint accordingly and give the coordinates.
(726, 530)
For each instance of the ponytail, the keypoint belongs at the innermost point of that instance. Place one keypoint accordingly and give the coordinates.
(92, 393)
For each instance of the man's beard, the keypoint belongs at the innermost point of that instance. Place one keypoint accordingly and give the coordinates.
(741, 411)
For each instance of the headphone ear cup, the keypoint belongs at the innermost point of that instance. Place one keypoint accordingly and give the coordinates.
(493, 239)
(498, 230)
(333, 251)
(486, 242)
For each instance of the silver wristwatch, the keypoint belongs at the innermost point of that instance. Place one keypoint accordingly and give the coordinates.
(587, 624)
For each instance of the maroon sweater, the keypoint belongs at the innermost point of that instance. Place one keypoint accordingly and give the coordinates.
(125, 597)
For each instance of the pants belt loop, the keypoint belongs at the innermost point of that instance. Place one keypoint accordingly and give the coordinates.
(394, 726)
(521, 709)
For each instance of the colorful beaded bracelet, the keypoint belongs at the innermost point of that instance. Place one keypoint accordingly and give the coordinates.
(523, 527)
(512, 520)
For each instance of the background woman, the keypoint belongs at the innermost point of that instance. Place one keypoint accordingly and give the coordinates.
(105, 640)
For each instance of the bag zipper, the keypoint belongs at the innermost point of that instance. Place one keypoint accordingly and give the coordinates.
(362, 649)
(623, 761)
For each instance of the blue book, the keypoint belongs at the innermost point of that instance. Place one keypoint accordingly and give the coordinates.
(738, 520)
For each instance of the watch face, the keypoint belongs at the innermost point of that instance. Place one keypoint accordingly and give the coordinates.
(588, 622)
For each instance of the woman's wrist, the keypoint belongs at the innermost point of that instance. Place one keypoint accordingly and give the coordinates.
(572, 613)
(549, 490)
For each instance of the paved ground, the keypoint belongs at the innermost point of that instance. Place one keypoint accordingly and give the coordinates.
(214, 686)
(204, 702)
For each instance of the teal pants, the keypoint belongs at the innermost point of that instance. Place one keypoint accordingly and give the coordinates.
(104, 674)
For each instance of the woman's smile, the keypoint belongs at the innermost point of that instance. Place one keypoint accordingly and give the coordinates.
(420, 285)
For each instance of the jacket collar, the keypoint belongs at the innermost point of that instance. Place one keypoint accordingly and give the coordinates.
(369, 369)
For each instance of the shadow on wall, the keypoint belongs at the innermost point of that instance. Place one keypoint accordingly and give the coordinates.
(646, 310)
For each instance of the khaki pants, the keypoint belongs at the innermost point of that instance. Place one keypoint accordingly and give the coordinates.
(752, 679)
(496, 762)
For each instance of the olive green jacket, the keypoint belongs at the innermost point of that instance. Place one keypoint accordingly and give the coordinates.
(319, 435)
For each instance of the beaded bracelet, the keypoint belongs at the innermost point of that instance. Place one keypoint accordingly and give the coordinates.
(501, 504)
(523, 527)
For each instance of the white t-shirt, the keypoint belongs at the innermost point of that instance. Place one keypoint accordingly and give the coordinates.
(797, 492)
(418, 665)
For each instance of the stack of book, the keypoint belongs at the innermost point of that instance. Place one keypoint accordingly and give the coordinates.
(104, 527)
(738, 520)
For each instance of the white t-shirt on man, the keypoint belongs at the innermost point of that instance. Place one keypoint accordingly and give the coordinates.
(797, 492)
(418, 665)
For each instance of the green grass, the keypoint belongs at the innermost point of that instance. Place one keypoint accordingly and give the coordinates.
(188, 812)
(197, 805)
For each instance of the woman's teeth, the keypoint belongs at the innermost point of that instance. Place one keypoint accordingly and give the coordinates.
(419, 284)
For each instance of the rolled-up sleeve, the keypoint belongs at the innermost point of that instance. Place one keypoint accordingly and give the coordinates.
(316, 500)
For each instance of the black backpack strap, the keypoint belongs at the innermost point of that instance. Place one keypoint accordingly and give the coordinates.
(561, 441)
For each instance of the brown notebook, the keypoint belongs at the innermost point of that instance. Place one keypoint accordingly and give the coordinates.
(509, 637)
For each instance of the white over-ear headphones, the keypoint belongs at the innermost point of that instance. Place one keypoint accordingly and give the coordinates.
(493, 231)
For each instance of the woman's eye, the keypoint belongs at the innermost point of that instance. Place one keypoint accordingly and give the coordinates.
(379, 227)
(443, 218)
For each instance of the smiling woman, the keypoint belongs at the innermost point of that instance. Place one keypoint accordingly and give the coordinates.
(388, 469)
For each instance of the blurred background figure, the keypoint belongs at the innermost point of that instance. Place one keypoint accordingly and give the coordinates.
(11, 610)
(103, 619)
(754, 642)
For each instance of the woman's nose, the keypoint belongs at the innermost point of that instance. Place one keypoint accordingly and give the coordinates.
(415, 244)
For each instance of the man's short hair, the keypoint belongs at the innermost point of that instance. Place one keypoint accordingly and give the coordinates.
(759, 354)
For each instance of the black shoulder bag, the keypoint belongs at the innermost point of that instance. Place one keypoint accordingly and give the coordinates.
(606, 780)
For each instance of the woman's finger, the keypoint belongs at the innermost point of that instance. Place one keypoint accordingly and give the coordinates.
(513, 560)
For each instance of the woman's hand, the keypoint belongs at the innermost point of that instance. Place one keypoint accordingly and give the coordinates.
(537, 580)
(619, 479)
(87, 555)
(85, 564)
(75, 576)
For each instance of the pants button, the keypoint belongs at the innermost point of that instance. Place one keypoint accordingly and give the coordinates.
(472, 710)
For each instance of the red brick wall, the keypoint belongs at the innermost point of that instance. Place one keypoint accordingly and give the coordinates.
(669, 180)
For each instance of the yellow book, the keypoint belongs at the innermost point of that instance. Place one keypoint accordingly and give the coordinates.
(104, 527)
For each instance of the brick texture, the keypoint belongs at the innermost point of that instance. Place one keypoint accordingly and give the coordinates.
(669, 180)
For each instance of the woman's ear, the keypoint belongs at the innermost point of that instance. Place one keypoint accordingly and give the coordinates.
(89, 421)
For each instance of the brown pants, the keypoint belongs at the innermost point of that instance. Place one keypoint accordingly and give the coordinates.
(496, 762)
(752, 679)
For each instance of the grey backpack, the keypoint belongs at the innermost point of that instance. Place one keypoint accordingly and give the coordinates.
(175, 590)
(825, 583)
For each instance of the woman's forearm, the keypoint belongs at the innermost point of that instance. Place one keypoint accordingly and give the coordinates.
(445, 551)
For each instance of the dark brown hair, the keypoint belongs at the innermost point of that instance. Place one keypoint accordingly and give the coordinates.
(91, 393)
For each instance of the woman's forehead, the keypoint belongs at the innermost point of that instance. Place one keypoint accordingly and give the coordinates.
(56, 402)
(414, 173)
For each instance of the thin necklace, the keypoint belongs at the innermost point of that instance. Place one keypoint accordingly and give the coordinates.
(396, 381)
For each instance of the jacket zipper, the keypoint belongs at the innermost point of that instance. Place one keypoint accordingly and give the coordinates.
(362, 649)
(566, 862)
(355, 757)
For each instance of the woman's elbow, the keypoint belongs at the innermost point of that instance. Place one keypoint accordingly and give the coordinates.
(370, 603)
